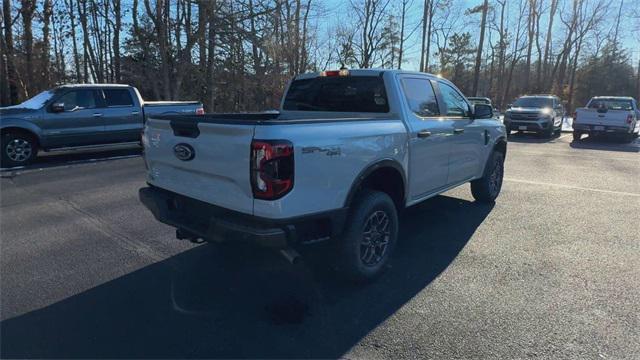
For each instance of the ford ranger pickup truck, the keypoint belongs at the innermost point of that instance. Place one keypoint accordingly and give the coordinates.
(348, 150)
(607, 115)
(79, 115)
(543, 114)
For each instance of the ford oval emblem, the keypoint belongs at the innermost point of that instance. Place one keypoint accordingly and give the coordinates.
(184, 152)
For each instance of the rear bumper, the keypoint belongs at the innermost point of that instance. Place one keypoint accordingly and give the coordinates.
(588, 128)
(214, 223)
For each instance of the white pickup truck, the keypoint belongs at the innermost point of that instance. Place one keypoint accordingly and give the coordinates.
(346, 153)
(607, 115)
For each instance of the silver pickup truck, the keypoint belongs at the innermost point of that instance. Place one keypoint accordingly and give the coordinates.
(79, 115)
(346, 153)
(607, 115)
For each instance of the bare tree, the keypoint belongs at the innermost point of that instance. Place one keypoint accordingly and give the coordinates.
(476, 72)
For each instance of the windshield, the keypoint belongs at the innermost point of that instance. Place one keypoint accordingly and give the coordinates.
(35, 102)
(534, 102)
(611, 104)
(345, 94)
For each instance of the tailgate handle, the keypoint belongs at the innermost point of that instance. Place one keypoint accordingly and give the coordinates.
(185, 128)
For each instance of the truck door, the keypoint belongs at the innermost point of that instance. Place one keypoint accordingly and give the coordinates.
(79, 124)
(122, 116)
(467, 136)
(429, 136)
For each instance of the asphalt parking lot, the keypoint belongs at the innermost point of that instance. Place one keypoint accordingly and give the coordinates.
(552, 270)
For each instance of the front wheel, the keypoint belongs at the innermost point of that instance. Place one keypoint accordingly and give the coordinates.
(18, 149)
(487, 188)
(369, 237)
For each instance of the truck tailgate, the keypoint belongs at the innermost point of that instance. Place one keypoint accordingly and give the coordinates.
(206, 161)
(599, 117)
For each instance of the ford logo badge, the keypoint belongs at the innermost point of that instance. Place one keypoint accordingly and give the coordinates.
(184, 152)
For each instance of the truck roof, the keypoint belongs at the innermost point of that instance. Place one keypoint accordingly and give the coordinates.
(370, 72)
(539, 96)
(93, 85)
(613, 97)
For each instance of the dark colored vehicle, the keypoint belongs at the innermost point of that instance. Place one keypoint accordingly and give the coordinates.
(543, 114)
(79, 115)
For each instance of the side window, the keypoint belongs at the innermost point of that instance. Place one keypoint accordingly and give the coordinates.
(420, 96)
(118, 97)
(78, 99)
(456, 105)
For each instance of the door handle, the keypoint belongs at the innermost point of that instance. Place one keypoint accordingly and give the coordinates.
(458, 131)
(97, 115)
(135, 112)
(424, 134)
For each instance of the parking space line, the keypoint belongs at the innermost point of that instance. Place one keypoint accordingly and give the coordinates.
(573, 187)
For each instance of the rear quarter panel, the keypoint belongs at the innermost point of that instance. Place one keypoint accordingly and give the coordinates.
(328, 157)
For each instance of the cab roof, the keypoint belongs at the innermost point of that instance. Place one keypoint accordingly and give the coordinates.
(93, 85)
(370, 72)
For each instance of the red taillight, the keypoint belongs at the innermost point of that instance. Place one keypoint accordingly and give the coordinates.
(199, 111)
(271, 168)
(341, 72)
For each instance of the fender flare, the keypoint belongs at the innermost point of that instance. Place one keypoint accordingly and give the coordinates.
(22, 125)
(379, 164)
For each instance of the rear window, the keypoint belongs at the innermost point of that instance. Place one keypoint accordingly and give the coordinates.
(118, 97)
(343, 94)
(611, 104)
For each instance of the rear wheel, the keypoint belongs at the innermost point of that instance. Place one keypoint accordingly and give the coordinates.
(18, 149)
(369, 237)
(487, 188)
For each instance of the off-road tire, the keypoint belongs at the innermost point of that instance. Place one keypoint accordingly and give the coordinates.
(487, 188)
(352, 248)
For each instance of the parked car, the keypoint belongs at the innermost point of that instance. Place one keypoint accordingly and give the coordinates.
(346, 153)
(543, 114)
(79, 115)
(607, 115)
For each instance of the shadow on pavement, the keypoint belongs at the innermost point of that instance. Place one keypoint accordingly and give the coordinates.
(609, 143)
(238, 301)
(67, 157)
(530, 137)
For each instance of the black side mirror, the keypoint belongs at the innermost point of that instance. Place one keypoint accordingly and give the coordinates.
(57, 107)
(482, 111)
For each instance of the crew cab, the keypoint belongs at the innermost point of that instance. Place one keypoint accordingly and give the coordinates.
(348, 150)
(543, 114)
(79, 115)
(607, 115)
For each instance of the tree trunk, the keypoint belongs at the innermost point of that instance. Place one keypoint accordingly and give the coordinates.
(403, 15)
(46, 43)
(26, 11)
(116, 39)
(425, 15)
(12, 75)
(547, 45)
(476, 72)
(76, 57)
(211, 85)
